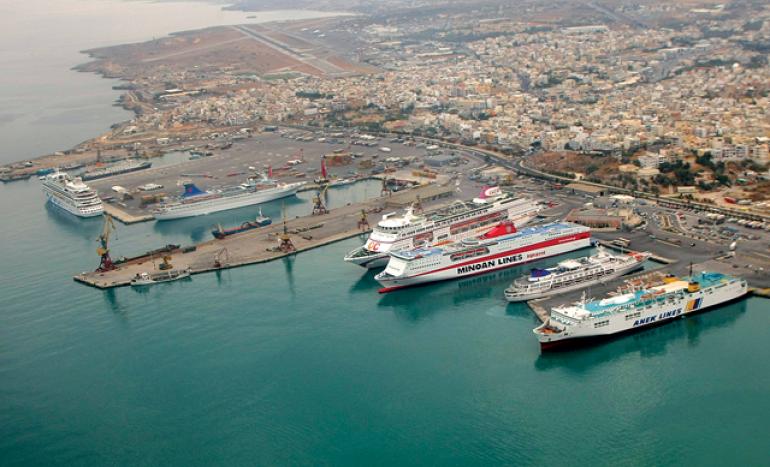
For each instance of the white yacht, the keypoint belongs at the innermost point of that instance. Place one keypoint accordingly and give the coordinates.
(71, 194)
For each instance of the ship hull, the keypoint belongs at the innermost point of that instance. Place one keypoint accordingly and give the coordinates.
(547, 293)
(97, 175)
(494, 262)
(371, 260)
(618, 324)
(64, 205)
(379, 259)
(211, 206)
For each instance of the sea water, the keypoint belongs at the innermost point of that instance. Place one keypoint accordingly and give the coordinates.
(300, 361)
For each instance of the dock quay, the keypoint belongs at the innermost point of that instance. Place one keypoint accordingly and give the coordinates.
(259, 245)
(124, 216)
(654, 257)
(760, 292)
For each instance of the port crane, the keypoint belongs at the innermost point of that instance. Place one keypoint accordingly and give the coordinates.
(221, 258)
(363, 222)
(319, 208)
(417, 204)
(385, 187)
(286, 245)
(105, 262)
(166, 264)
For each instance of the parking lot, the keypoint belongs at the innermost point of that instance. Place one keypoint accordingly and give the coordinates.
(293, 155)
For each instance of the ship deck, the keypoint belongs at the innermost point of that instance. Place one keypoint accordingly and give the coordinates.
(458, 246)
(665, 259)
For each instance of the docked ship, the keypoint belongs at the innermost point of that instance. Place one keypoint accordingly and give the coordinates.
(499, 248)
(196, 202)
(574, 274)
(458, 221)
(260, 221)
(150, 278)
(636, 309)
(126, 166)
(71, 194)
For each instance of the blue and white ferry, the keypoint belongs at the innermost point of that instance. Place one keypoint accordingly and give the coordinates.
(634, 310)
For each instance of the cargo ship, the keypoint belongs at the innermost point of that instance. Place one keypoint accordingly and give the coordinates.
(196, 202)
(499, 248)
(589, 320)
(458, 221)
(71, 194)
(121, 167)
(260, 221)
(574, 274)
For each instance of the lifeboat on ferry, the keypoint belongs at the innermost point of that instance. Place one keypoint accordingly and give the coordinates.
(503, 228)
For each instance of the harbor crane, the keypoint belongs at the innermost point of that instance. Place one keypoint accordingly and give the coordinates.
(319, 208)
(166, 264)
(385, 188)
(363, 223)
(286, 245)
(221, 258)
(417, 204)
(105, 262)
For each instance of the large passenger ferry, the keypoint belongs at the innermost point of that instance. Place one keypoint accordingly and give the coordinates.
(637, 308)
(455, 222)
(196, 202)
(574, 274)
(71, 194)
(501, 247)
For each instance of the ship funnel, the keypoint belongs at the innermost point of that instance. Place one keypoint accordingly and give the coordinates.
(191, 190)
(487, 192)
(503, 228)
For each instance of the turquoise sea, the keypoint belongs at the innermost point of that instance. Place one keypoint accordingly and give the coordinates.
(301, 361)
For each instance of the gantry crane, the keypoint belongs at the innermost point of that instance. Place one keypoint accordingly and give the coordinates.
(221, 258)
(363, 223)
(319, 207)
(166, 264)
(286, 245)
(105, 262)
(417, 204)
(385, 188)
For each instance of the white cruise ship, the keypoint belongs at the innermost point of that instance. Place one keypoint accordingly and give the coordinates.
(456, 222)
(71, 194)
(587, 320)
(195, 202)
(574, 274)
(502, 247)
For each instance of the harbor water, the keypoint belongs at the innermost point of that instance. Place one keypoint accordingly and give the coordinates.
(301, 361)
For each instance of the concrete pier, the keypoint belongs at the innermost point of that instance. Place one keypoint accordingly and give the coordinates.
(259, 245)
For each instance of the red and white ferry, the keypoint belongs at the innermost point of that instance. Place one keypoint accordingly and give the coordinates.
(501, 247)
(453, 223)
